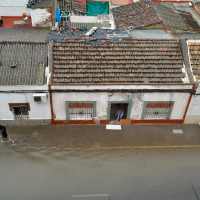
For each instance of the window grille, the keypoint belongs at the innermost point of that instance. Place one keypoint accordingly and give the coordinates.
(81, 113)
(156, 112)
(20, 111)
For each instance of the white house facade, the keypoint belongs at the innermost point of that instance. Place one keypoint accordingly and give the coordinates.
(24, 97)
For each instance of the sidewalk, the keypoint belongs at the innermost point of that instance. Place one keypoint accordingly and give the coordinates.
(86, 136)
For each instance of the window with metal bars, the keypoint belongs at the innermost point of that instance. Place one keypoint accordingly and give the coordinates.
(80, 110)
(81, 113)
(157, 109)
(156, 113)
(20, 111)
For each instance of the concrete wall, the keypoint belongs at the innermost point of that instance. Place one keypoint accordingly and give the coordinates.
(137, 99)
(193, 114)
(84, 19)
(37, 110)
(14, 8)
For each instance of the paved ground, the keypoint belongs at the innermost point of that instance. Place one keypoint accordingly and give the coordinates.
(87, 136)
(64, 162)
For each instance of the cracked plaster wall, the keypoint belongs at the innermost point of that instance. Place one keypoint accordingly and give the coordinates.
(102, 99)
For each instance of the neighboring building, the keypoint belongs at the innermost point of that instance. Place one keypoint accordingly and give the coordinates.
(24, 97)
(14, 8)
(145, 78)
(149, 15)
(79, 16)
(42, 14)
(193, 114)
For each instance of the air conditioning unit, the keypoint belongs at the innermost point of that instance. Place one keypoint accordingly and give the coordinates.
(40, 97)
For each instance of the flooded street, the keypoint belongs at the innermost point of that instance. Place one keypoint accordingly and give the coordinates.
(47, 164)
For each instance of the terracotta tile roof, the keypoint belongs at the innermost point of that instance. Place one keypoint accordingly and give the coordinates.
(80, 1)
(171, 18)
(137, 15)
(130, 62)
(22, 63)
(78, 6)
(194, 54)
(23, 34)
(121, 2)
(145, 13)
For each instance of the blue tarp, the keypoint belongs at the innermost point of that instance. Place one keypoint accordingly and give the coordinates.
(58, 18)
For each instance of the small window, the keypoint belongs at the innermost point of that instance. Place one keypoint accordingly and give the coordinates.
(157, 110)
(156, 113)
(80, 111)
(20, 111)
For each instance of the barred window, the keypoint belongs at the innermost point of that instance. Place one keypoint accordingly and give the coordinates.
(156, 113)
(80, 111)
(157, 110)
(20, 111)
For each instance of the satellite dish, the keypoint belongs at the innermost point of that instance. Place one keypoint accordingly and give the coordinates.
(96, 120)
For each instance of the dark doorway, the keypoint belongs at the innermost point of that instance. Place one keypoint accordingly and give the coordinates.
(118, 106)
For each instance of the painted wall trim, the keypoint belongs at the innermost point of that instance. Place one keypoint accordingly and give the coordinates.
(189, 100)
(51, 106)
(87, 122)
(159, 121)
(133, 121)
(19, 104)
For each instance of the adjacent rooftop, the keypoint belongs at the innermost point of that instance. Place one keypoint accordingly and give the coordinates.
(145, 15)
(22, 63)
(194, 55)
(23, 35)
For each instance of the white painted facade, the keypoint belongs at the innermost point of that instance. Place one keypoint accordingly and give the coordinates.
(37, 110)
(14, 8)
(83, 19)
(102, 99)
(193, 114)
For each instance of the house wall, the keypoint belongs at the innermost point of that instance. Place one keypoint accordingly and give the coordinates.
(84, 19)
(193, 114)
(102, 98)
(14, 8)
(38, 111)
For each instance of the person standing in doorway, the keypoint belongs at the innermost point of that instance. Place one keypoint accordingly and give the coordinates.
(119, 115)
(4, 135)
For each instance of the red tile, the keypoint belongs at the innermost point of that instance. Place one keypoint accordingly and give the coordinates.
(8, 22)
